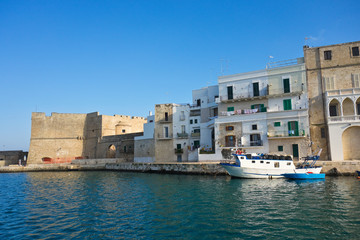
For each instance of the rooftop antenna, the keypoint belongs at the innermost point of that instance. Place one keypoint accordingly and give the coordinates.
(306, 43)
(268, 64)
(222, 68)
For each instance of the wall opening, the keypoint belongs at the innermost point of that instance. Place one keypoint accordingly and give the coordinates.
(348, 107)
(334, 108)
(111, 152)
(351, 143)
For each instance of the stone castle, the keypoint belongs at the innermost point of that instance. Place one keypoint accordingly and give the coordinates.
(64, 137)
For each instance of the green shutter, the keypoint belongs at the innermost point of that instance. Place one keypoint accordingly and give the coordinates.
(280, 148)
(287, 104)
(277, 124)
(252, 106)
(230, 109)
(296, 132)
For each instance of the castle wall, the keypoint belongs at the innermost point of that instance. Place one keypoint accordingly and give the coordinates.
(69, 136)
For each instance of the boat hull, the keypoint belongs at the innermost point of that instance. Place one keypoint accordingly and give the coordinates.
(241, 172)
(304, 175)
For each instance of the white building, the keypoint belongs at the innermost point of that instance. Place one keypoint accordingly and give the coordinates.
(264, 111)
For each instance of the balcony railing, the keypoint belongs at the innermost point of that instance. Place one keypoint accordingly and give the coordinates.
(182, 135)
(282, 134)
(243, 111)
(338, 119)
(285, 63)
(179, 150)
(257, 143)
(197, 134)
(343, 92)
(165, 120)
(163, 137)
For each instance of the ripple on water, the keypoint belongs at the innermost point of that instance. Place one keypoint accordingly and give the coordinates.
(113, 205)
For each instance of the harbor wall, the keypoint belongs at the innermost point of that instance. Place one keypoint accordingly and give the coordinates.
(330, 168)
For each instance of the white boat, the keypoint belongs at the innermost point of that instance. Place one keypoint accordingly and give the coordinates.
(261, 166)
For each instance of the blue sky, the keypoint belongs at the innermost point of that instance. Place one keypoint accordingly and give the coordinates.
(123, 57)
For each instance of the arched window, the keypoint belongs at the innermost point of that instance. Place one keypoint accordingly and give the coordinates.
(111, 152)
(348, 107)
(334, 108)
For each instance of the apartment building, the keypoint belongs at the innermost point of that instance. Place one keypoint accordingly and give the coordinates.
(264, 111)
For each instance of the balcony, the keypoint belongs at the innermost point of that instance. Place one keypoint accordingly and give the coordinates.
(257, 143)
(179, 150)
(343, 92)
(285, 63)
(182, 135)
(286, 134)
(163, 137)
(195, 135)
(338, 119)
(243, 111)
(165, 120)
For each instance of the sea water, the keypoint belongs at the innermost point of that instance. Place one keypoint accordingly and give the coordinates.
(122, 205)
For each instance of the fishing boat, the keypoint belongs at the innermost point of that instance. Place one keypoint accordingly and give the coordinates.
(358, 174)
(268, 166)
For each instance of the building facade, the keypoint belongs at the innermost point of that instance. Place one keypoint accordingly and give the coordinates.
(333, 77)
(64, 137)
(264, 111)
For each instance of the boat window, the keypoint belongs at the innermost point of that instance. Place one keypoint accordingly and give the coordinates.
(276, 164)
(253, 161)
(288, 163)
(261, 161)
(267, 162)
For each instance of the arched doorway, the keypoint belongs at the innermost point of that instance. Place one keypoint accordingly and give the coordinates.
(111, 152)
(351, 143)
(334, 108)
(348, 107)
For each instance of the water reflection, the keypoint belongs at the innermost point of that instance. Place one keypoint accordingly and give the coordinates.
(101, 205)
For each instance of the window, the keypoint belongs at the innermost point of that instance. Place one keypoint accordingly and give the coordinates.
(277, 124)
(229, 128)
(327, 55)
(276, 164)
(253, 161)
(124, 149)
(230, 109)
(166, 132)
(255, 140)
(254, 127)
(123, 131)
(280, 148)
(166, 116)
(261, 161)
(191, 121)
(356, 80)
(256, 89)
(333, 110)
(287, 104)
(355, 51)
(197, 130)
(178, 146)
(286, 83)
(196, 121)
(182, 128)
(198, 102)
(293, 128)
(196, 144)
(230, 141)
(230, 92)
(323, 133)
(329, 83)
(182, 116)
